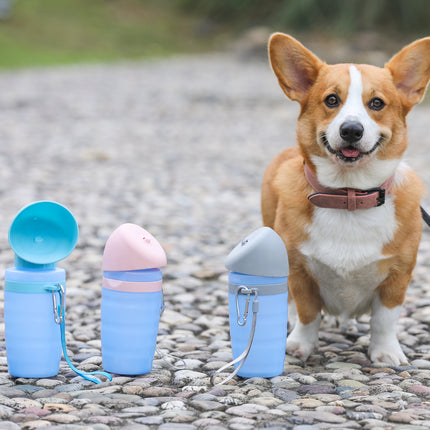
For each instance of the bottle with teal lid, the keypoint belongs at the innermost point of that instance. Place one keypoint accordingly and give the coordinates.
(41, 234)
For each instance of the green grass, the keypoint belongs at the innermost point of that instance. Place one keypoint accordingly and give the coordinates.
(47, 32)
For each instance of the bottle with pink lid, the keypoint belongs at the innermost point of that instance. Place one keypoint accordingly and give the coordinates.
(132, 300)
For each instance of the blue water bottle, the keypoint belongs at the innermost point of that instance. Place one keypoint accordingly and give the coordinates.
(132, 300)
(258, 304)
(42, 234)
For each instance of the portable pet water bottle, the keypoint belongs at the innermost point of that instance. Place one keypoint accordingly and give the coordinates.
(258, 284)
(42, 234)
(132, 300)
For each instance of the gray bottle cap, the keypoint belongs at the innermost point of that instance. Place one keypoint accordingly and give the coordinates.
(262, 253)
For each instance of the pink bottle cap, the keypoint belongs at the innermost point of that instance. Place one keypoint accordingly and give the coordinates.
(131, 247)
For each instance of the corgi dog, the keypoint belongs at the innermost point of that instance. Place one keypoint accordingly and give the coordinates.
(343, 201)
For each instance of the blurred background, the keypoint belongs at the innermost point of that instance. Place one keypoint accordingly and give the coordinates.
(51, 32)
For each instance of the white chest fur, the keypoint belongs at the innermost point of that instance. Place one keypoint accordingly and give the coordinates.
(343, 251)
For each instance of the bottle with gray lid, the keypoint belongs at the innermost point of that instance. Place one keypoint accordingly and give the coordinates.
(258, 278)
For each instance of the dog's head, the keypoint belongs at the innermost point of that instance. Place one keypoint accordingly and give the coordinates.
(352, 115)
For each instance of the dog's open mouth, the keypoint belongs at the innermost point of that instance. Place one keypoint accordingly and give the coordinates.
(349, 154)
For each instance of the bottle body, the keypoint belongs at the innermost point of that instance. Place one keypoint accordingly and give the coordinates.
(33, 338)
(130, 312)
(267, 353)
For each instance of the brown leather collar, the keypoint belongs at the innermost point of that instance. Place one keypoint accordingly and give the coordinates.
(346, 198)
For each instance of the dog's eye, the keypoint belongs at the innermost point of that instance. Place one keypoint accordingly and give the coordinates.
(376, 103)
(332, 100)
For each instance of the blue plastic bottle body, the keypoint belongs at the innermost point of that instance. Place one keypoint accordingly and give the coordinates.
(129, 326)
(267, 354)
(33, 338)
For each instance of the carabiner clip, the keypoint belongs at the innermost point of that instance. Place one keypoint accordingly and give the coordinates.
(58, 316)
(242, 320)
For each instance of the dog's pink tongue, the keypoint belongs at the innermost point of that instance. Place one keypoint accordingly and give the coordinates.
(350, 152)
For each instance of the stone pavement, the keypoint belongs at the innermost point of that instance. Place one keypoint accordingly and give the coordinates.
(179, 146)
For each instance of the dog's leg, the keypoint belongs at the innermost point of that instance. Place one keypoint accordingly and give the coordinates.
(384, 345)
(386, 307)
(304, 337)
(292, 314)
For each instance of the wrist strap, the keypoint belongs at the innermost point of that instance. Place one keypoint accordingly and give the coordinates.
(59, 317)
(241, 321)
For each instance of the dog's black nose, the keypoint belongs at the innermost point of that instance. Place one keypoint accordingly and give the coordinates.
(351, 131)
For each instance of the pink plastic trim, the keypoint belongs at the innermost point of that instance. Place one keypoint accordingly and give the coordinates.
(132, 287)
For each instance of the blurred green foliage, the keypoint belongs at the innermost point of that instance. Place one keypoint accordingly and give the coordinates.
(45, 32)
(332, 16)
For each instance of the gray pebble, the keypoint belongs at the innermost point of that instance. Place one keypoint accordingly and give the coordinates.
(29, 389)
(207, 405)
(359, 416)
(176, 426)
(9, 425)
(5, 412)
(151, 420)
(321, 416)
(135, 426)
(305, 427)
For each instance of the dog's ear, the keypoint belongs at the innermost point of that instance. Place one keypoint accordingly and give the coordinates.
(295, 67)
(410, 69)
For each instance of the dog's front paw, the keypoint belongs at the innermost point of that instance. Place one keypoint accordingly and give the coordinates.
(301, 350)
(387, 352)
(303, 339)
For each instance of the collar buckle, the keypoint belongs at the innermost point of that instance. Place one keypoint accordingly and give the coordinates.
(382, 193)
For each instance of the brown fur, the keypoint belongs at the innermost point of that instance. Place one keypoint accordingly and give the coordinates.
(285, 207)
